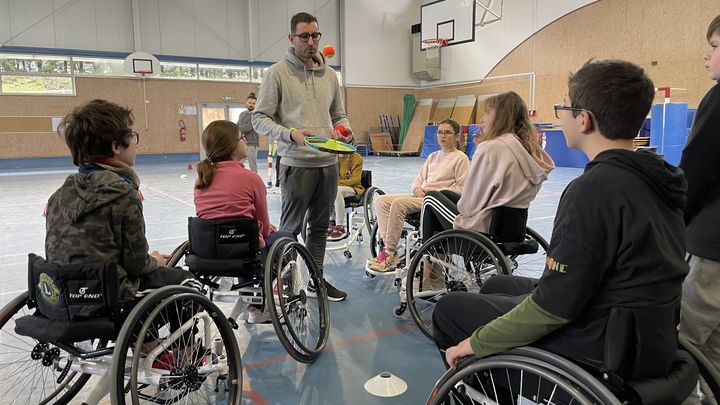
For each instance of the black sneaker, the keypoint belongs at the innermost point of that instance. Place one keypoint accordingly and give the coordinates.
(333, 293)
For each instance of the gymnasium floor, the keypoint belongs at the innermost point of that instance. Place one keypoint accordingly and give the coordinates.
(365, 338)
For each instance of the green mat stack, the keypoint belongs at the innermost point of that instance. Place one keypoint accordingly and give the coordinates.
(409, 107)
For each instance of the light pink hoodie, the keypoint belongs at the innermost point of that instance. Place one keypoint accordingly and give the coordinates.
(502, 173)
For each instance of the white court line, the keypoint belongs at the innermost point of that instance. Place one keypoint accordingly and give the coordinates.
(541, 218)
(151, 189)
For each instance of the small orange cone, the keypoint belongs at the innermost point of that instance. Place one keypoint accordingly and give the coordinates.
(190, 166)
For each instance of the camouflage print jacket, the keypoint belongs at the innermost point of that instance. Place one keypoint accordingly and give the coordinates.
(98, 216)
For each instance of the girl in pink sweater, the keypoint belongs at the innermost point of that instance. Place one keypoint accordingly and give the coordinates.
(226, 189)
(507, 170)
(445, 169)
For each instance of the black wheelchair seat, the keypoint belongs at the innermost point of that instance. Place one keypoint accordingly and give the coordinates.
(526, 247)
(357, 201)
(508, 228)
(224, 247)
(73, 302)
(53, 331)
(413, 220)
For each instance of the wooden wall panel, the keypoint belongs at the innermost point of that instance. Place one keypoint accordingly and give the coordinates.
(164, 96)
(364, 106)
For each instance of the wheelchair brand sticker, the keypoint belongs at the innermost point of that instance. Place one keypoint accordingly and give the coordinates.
(85, 295)
(230, 234)
(48, 289)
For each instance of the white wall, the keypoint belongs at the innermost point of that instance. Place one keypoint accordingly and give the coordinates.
(377, 42)
(229, 29)
(471, 62)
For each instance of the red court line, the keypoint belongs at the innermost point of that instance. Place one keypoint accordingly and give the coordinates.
(341, 343)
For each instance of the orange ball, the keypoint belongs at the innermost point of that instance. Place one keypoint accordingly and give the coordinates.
(328, 51)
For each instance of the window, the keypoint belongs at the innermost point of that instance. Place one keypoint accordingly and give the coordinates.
(258, 73)
(30, 74)
(228, 73)
(187, 71)
(99, 67)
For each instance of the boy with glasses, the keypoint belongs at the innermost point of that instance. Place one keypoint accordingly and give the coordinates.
(617, 242)
(96, 215)
(301, 96)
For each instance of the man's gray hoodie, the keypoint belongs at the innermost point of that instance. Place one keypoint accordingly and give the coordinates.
(293, 95)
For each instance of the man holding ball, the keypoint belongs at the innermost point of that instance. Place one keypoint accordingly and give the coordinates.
(301, 96)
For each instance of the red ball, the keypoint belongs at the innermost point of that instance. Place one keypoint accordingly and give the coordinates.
(341, 128)
(328, 51)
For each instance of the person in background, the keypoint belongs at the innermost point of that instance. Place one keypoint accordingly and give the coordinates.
(251, 137)
(350, 167)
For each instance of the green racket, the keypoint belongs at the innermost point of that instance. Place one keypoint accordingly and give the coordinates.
(329, 145)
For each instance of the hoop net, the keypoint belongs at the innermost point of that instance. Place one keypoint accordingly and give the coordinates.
(433, 45)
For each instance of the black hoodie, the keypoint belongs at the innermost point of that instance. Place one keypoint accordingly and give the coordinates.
(701, 163)
(618, 240)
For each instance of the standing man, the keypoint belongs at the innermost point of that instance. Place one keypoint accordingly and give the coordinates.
(301, 96)
(251, 137)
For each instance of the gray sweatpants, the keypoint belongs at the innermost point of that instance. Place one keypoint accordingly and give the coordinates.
(700, 310)
(252, 158)
(311, 190)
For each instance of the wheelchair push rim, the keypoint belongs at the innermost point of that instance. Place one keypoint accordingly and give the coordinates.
(369, 208)
(299, 316)
(457, 260)
(179, 347)
(33, 364)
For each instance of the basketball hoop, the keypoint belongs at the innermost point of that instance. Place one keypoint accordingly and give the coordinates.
(433, 45)
(143, 73)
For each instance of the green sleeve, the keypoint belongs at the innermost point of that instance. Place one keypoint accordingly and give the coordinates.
(523, 325)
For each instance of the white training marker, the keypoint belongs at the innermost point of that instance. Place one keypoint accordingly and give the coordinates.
(385, 384)
(183, 176)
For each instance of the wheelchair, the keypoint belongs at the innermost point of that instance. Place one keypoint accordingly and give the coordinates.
(281, 285)
(355, 221)
(461, 260)
(534, 375)
(172, 346)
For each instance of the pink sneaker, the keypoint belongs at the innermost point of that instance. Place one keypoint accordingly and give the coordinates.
(337, 233)
(381, 257)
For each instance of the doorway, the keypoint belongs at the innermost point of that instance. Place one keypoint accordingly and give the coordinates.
(209, 112)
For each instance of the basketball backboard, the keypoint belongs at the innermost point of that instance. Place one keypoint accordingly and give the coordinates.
(141, 64)
(453, 20)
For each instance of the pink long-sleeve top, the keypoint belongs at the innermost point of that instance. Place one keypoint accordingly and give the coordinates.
(442, 171)
(234, 192)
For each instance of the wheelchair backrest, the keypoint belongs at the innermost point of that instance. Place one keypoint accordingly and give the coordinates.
(231, 238)
(508, 224)
(73, 291)
(366, 179)
(640, 342)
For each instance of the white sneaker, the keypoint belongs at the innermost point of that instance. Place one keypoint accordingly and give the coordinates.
(257, 316)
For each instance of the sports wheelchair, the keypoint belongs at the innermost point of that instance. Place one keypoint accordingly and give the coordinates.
(534, 375)
(461, 260)
(354, 220)
(173, 345)
(177, 344)
(288, 285)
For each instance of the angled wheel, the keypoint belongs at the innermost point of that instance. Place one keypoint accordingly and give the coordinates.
(297, 300)
(376, 244)
(453, 260)
(30, 372)
(369, 207)
(518, 377)
(533, 264)
(176, 346)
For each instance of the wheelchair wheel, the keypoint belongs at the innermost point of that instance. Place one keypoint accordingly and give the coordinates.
(29, 371)
(515, 378)
(530, 265)
(452, 260)
(297, 300)
(369, 208)
(176, 346)
(709, 373)
(376, 244)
